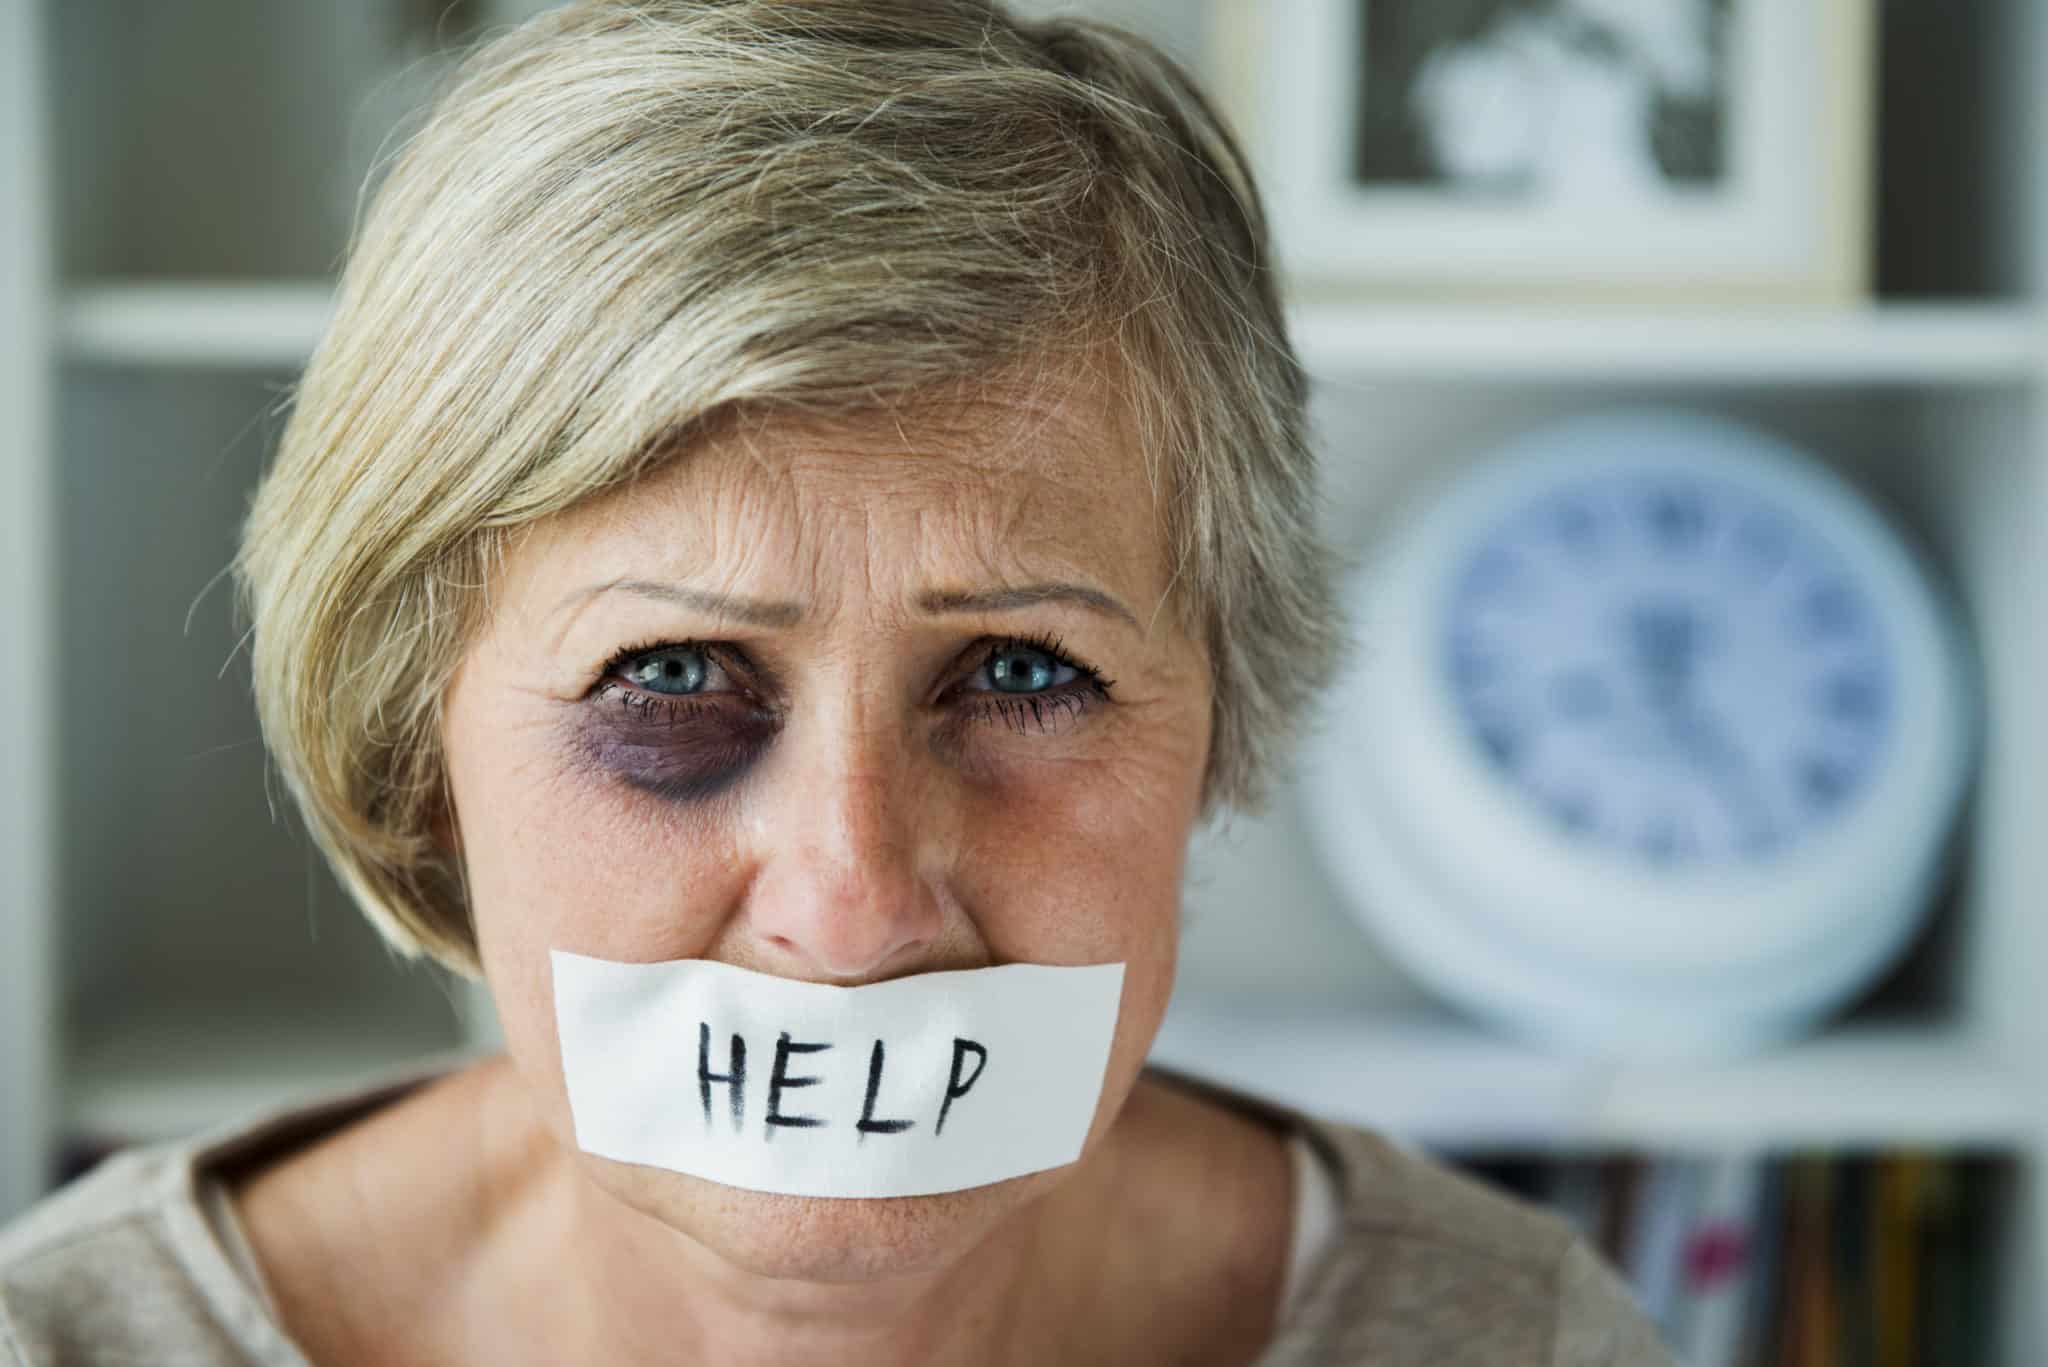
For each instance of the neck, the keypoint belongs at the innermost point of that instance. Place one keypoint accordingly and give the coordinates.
(1170, 1217)
(646, 1292)
(658, 1295)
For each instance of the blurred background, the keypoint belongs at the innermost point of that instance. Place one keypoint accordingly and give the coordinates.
(1820, 220)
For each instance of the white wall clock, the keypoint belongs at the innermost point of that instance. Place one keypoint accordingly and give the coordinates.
(1654, 742)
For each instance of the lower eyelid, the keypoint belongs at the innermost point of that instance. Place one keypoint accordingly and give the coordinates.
(1048, 712)
(641, 707)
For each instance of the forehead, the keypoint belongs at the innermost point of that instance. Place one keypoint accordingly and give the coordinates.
(939, 493)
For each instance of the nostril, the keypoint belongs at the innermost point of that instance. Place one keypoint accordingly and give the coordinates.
(820, 929)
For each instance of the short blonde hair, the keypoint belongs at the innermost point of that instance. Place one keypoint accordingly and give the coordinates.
(627, 217)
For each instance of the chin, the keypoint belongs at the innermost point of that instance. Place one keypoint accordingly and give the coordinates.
(816, 1238)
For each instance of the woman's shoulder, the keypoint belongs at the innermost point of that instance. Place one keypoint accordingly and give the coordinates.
(1424, 1255)
(1422, 1262)
(106, 1270)
(123, 1264)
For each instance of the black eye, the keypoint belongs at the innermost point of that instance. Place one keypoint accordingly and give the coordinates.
(1026, 669)
(672, 669)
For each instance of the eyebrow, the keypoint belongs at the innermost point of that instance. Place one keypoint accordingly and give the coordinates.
(767, 613)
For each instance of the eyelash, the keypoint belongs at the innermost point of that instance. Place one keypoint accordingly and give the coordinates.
(1014, 711)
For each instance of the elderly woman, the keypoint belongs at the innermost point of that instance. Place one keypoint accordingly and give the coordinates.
(802, 507)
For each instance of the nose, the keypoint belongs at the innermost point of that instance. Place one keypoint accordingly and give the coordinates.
(841, 895)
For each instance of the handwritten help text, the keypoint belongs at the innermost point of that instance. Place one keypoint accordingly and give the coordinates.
(970, 1059)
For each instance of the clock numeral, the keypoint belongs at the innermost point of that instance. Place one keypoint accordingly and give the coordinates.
(1829, 609)
(1678, 519)
(1501, 744)
(1573, 812)
(1665, 841)
(1577, 526)
(1821, 780)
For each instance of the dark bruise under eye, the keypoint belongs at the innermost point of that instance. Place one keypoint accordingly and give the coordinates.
(683, 747)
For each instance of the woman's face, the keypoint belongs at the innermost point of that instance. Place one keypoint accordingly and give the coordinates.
(841, 702)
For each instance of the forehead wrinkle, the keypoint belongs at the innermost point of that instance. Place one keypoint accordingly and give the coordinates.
(696, 518)
(1004, 489)
(1037, 520)
(771, 527)
(896, 505)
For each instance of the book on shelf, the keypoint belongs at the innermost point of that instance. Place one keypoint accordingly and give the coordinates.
(1718, 1261)
(1806, 1259)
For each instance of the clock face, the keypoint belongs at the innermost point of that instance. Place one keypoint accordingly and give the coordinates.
(1670, 667)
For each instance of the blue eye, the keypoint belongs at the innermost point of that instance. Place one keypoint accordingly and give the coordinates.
(673, 670)
(1021, 668)
(1035, 686)
(1030, 683)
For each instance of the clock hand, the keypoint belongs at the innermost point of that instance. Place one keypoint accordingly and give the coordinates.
(1665, 638)
(1727, 764)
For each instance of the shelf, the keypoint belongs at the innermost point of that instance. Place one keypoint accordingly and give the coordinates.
(1428, 1078)
(276, 324)
(158, 1080)
(205, 324)
(1955, 344)
(1435, 1080)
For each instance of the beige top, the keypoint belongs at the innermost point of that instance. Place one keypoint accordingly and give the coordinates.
(1396, 1260)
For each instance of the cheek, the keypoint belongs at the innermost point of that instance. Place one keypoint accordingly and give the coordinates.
(1086, 867)
(1082, 863)
(1071, 859)
(559, 857)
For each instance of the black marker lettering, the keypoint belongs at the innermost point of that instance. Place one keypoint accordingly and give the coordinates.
(868, 1124)
(735, 1079)
(954, 1086)
(780, 1079)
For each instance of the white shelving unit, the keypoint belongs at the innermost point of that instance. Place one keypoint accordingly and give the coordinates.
(27, 1055)
(1445, 1083)
(204, 963)
(1958, 344)
(211, 324)
(195, 324)
(191, 958)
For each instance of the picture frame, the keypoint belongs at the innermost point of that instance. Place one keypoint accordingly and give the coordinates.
(1712, 151)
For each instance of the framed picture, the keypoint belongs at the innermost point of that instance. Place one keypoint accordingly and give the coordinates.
(1713, 148)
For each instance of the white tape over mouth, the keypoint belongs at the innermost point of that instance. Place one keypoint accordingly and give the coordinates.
(930, 1083)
